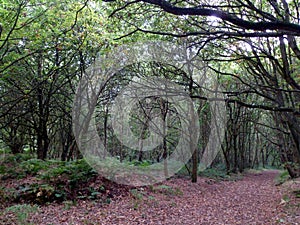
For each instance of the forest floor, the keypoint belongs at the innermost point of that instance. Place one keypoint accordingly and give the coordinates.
(249, 199)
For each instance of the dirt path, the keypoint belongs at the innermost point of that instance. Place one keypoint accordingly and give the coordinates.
(252, 200)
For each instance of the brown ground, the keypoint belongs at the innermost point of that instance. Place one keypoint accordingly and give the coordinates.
(254, 199)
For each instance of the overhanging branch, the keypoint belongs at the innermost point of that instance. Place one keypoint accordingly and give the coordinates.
(225, 16)
(252, 106)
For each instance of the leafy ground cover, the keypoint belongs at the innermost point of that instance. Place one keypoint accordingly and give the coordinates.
(72, 193)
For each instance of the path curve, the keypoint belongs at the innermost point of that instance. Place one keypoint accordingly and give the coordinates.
(255, 199)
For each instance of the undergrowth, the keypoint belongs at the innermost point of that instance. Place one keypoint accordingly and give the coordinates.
(54, 180)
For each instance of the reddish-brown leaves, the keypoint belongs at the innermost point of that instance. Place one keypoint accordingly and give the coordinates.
(252, 200)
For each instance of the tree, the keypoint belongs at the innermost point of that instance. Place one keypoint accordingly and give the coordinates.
(44, 50)
(260, 38)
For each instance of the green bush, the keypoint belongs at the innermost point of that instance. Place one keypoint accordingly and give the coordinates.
(17, 158)
(75, 172)
(214, 173)
(33, 166)
(36, 193)
(20, 165)
(59, 181)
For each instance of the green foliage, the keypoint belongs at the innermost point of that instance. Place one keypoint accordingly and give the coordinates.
(167, 190)
(22, 212)
(60, 180)
(69, 180)
(68, 204)
(215, 173)
(143, 163)
(137, 194)
(60, 193)
(297, 193)
(282, 177)
(20, 165)
(138, 197)
(36, 193)
(33, 166)
(286, 198)
(3, 152)
(271, 167)
(183, 172)
(6, 194)
(2, 169)
(75, 173)
(91, 193)
(16, 158)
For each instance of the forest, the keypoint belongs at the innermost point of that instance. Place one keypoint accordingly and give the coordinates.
(149, 112)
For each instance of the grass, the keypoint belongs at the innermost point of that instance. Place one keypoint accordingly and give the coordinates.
(21, 212)
(166, 190)
(138, 198)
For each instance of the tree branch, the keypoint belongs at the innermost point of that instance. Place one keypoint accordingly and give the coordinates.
(225, 16)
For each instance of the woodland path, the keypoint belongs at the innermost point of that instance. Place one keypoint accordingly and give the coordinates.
(252, 199)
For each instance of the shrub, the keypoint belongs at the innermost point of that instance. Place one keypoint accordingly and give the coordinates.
(33, 166)
(75, 173)
(214, 173)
